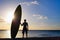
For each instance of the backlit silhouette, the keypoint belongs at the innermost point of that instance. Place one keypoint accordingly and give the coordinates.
(16, 21)
(25, 28)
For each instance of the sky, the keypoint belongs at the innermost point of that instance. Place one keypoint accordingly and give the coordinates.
(40, 14)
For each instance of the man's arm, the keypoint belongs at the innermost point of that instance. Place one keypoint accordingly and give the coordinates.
(27, 26)
(22, 24)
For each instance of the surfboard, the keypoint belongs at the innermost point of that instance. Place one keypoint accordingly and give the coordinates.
(16, 21)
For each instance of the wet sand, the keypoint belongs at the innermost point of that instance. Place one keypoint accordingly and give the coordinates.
(33, 38)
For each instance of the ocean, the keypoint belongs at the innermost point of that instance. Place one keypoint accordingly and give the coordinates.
(33, 33)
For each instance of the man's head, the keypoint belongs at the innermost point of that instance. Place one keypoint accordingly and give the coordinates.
(24, 20)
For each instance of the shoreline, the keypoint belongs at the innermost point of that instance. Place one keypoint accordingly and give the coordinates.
(33, 30)
(33, 38)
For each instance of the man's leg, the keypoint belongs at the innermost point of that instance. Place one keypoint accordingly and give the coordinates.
(23, 34)
(26, 34)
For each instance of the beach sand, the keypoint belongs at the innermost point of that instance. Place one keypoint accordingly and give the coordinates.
(33, 38)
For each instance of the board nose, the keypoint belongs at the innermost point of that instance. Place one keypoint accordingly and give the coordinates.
(19, 5)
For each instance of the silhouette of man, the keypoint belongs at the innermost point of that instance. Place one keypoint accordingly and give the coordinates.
(25, 28)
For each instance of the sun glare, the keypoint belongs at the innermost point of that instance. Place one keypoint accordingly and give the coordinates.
(9, 17)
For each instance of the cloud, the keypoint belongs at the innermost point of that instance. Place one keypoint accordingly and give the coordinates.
(35, 2)
(41, 17)
(30, 3)
(35, 15)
